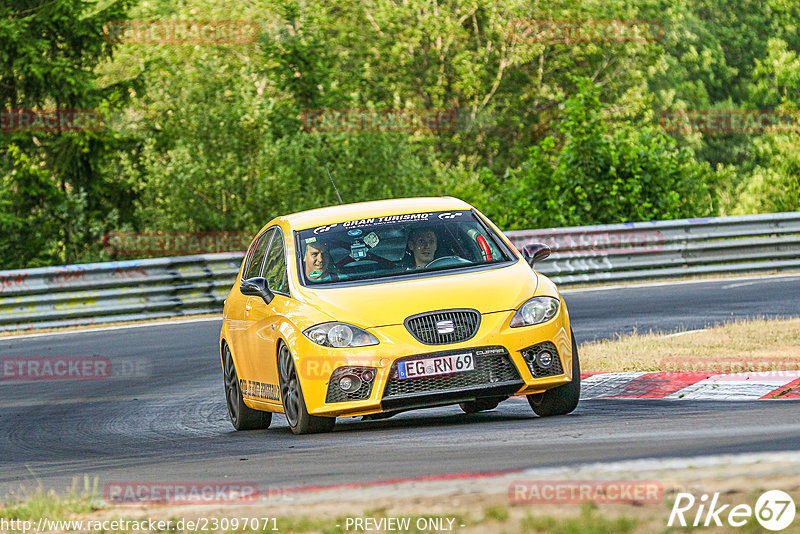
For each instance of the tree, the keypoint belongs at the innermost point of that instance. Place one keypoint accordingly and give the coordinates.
(774, 183)
(601, 175)
(56, 202)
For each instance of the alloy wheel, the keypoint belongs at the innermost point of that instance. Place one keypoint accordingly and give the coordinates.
(231, 386)
(290, 386)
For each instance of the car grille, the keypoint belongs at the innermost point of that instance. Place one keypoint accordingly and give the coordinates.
(444, 326)
(335, 393)
(554, 369)
(493, 367)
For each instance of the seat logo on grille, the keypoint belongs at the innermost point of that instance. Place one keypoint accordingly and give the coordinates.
(445, 327)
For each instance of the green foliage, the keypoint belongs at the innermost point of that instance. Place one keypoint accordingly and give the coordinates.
(774, 187)
(79, 499)
(604, 174)
(56, 202)
(774, 183)
(588, 522)
(202, 137)
(497, 513)
(729, 56)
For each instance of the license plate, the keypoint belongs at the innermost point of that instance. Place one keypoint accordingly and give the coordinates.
(440, 365)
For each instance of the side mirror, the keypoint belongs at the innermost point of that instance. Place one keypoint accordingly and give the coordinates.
(533, 252)
(257, 287)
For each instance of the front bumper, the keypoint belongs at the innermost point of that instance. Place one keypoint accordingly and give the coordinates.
(495, 375)
(501, 368)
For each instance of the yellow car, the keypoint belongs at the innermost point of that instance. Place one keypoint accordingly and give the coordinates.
(374, 308)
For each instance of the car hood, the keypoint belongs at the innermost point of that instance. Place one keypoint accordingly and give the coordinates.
(384, 304)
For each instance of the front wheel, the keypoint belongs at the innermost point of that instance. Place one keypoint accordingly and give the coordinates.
(242, 416)
(294, 405)
(563, 399)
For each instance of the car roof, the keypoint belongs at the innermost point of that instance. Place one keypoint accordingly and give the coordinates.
(376, 208)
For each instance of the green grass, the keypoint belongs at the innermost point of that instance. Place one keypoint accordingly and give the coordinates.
(589, 522)
(80, 501)
(496, 513)
(49, 504)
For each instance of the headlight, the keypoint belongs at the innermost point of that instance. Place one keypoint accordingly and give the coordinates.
(535, 311)
(339, 335)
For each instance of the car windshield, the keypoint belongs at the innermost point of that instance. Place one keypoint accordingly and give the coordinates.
(397, 245)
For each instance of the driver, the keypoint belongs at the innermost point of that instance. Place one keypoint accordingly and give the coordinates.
(317, 262)
(422, 244)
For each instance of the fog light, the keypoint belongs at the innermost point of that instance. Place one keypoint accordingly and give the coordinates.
(545, 358)
(349, 383)
(368, 375)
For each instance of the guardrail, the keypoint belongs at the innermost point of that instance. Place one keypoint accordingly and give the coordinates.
(96, 293)
(167, 287)
(663, 249)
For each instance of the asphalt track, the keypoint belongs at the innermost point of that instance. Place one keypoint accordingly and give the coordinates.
(171, 425)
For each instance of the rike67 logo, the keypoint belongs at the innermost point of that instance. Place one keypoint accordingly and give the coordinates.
(774, 510)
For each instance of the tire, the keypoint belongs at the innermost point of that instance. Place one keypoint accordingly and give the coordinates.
(242, 416)
(294, 404)
(479, 405)
(563, 399)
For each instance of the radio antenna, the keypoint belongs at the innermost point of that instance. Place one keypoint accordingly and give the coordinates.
(334, 185)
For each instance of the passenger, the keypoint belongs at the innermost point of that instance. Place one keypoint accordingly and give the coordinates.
(422, 244)
(317, 262)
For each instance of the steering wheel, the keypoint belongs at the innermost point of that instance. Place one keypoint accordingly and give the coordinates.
(447, 261)
(383, 262)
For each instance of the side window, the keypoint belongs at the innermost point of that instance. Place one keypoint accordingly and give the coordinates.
(256, 256)
(275, 269)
